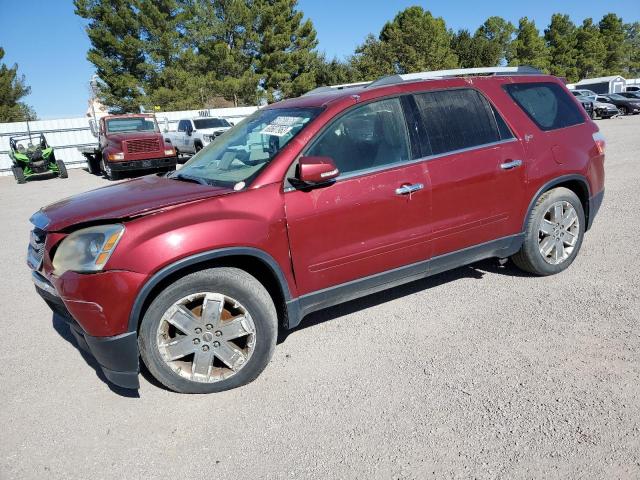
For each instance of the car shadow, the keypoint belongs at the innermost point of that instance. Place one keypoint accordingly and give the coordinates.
(64, 330)
(476, 270)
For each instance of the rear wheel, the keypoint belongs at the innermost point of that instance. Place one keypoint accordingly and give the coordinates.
(197, 146)
(18, 174)
(554, 233)
(210, 331)
(623, 110)
(62, 169)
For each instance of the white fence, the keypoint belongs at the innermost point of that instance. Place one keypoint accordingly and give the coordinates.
(67, 134)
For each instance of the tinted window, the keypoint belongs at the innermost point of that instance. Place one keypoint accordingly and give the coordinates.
(368, 136)
(547, 104)
(211, 123)
(182, 125)
(457, 119)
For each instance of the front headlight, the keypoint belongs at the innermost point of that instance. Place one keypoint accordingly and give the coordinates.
(87, 250)
(116, 156)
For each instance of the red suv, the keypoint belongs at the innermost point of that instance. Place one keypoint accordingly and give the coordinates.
(314, 201)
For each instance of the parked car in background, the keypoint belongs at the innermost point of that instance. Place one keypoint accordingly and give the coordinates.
(633, 95)
(127, 143)
(314, 201)
(587, 103)
(632, 88)
(603, 109)
(578, 92)
(625, 106)
(193, 134)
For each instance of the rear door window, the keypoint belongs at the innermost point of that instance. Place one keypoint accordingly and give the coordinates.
(457, 119)
(547, 104)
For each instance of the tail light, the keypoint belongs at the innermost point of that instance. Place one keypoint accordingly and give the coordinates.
(600, 142)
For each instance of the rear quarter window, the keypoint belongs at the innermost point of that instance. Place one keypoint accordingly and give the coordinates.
(547, 104)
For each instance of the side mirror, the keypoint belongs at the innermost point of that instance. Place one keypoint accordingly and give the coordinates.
(93, 127)
(316, 170)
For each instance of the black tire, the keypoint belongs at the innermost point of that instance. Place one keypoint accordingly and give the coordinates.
(593, 115)
(109, 174)
(93, 165)
(197, 146)
(18, 174)
(623, 110)
(529, 258)
(234, 283)
(62, 169)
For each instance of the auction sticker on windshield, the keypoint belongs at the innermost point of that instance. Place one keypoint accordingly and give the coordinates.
(280, 126)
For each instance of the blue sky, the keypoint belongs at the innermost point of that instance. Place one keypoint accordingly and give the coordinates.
(50, 45)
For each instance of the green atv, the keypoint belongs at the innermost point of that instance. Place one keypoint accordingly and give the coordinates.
(34, 159)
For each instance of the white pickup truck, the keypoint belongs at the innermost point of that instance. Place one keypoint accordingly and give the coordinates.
(193, 134)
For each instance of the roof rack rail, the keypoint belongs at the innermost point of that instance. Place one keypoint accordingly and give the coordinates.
(333, 88)
(456, 72)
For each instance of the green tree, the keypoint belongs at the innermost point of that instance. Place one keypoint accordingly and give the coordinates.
(469, 49)
(528, 48)
(632, 50)
(286, 44)
(334, 72)
(561, 41)
(612, 32)
(372, 59)
(12, 89)
(418, 41)
(493, 39)
(590, 50)
(117, 51)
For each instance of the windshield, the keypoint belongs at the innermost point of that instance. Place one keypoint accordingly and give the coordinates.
(237, 156)
(134, 124)
(201, 123)
(615, 96)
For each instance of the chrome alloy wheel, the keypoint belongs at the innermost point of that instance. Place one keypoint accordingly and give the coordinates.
(206, 337)
(558, 232)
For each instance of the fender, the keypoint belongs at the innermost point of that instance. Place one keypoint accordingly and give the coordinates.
(160, 275)
(552, 183)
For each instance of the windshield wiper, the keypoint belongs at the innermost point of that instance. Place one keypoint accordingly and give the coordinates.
(189, 178)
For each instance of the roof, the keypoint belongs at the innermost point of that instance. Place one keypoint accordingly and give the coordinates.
(587, 81)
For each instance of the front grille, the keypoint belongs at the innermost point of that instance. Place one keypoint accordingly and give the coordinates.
(142, 146)
(35, 253)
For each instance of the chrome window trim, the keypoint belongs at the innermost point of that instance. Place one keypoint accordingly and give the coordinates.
(428, 158)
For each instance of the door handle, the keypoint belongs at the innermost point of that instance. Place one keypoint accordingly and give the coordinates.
(511, 164)
(408, 189)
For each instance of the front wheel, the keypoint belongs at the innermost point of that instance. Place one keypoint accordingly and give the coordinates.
(62, 169)
(623, 111)
(554, 233)
(18, 174)
(210, 331)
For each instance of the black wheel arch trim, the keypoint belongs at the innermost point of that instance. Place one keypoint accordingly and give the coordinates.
(203, 257)
(552, 183)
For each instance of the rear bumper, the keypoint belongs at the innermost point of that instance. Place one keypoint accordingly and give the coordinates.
(594, 206)
(117, 355)
(165, 162)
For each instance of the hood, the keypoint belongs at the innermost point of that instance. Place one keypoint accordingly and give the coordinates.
(131, 198)
(119, 137)
(212, 130)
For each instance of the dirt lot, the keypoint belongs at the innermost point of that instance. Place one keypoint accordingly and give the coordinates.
(481, 372)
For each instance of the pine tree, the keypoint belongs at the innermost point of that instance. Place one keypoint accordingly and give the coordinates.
(418, 41)
(561, 41)
(612, 32)
(590, 50)
(528, 48)
(373, 59)
(285, 46)
(117, 51)
(12, 89)
(334, 72)
(632, 50)
(466, 49)
(493, 38)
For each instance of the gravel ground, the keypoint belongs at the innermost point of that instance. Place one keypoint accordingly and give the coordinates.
(481, 372)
